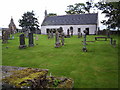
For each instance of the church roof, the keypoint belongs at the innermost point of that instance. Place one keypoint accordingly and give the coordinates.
(80, 19)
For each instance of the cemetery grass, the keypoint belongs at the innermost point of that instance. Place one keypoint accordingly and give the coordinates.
(97, 68)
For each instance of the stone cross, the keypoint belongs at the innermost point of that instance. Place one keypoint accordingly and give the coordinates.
(31, 42)
(22, 41)
(57, 44)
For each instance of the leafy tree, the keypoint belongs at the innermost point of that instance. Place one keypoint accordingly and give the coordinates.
(112, 11)
(79, 8)
(28, 22)
(52, 14)
(88, 6)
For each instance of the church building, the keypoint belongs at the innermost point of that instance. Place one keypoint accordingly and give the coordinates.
(76, 23)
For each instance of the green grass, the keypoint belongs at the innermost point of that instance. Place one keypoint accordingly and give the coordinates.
(97, 68)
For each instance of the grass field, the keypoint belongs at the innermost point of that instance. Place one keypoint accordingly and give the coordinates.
(97, 68)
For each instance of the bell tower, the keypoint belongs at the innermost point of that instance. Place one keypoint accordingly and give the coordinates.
(45, 13)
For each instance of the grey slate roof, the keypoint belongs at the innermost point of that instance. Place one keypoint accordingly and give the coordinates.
(81, 19)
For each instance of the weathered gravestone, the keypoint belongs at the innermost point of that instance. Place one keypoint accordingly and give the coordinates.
(22, 41)
(111, 41)
(4, 36)
(71, 29)
(52, 36)
(57, 44)
(31, 40)
(68, 33)
(48, 34)
(84, 42)
(37, 37)
(78, 34)
(81, 34)
(114, 43)
(62, 38)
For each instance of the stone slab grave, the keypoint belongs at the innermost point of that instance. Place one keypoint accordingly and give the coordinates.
(24, 77)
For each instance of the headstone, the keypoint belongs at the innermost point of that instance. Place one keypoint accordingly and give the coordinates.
(81, 34)
(114, 43)
(37, 37)
(52, 36)
(48, 34)
(71, 29)
(78, 34)
(4, 36)
(31, 41)
(68, 33)
(57, 44)
(62, 38)
(22, 41)
(84, 42)
(71, 32)
(111, 41)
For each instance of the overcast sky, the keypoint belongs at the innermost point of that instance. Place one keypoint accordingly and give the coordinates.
(16, 8)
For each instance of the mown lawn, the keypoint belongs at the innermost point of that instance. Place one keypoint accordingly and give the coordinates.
(97, 68)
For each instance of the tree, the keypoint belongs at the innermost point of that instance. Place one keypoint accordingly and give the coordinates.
(88, 6)
(79, 8)
(112, 11)
(52, 14)
(28, 22)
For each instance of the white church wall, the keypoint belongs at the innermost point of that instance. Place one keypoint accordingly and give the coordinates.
(92, 28)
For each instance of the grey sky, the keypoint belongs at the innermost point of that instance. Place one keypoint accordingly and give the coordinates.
(16, 8)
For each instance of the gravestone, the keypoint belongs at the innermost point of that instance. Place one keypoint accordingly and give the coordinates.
(114, 43)
(84, 42)
(81, 34)
(62, 38)
(68, 33)
(4, 36)
(37, 37)
(71, 32)
(111, 41)
(57, 44)
(48, 34)
(52, 36)
(31, 40)
(78, 34)
(22, 41)
(71, 29)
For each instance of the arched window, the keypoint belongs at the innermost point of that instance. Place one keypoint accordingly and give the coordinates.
(71, 28)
